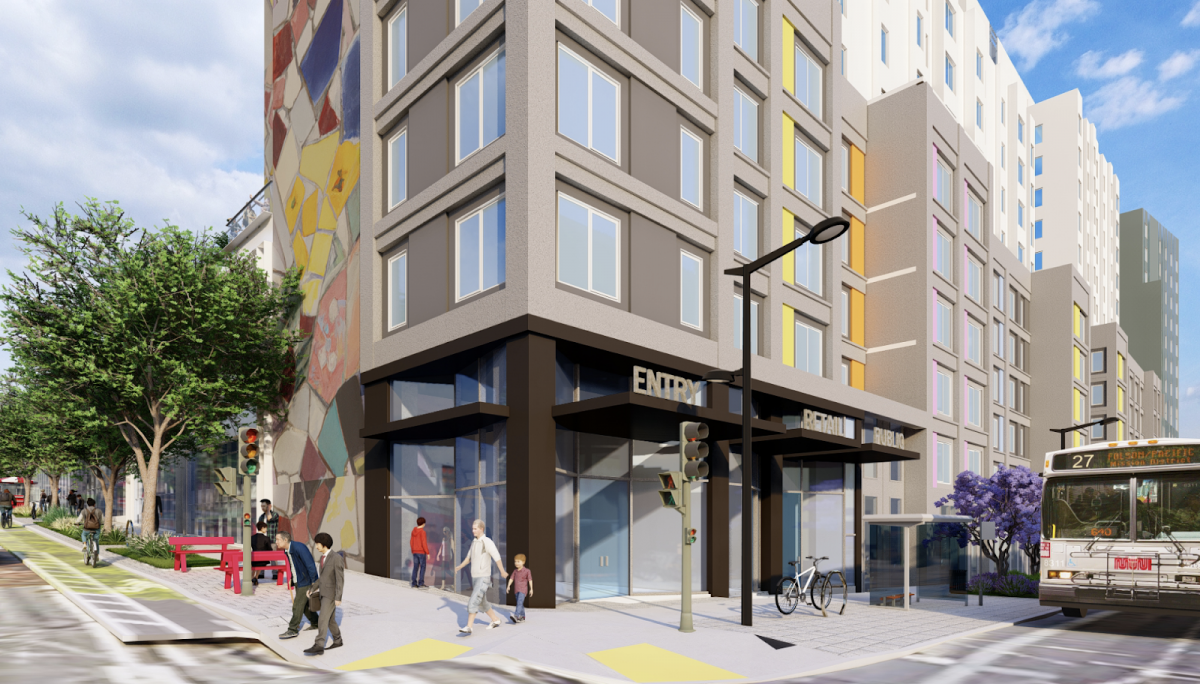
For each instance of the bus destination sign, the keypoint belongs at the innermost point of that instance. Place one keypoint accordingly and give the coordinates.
(1131, 457)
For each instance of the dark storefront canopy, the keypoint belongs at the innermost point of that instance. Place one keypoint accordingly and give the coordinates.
(631, 415)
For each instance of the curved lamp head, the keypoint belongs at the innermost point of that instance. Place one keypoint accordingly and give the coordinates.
(720, 377)
(828, 230)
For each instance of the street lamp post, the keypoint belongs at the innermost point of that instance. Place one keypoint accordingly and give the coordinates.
(825, 231)
(1063, 432)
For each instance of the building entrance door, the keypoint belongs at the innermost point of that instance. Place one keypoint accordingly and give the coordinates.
(603, 538)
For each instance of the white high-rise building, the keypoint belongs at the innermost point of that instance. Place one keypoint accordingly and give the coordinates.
(951, 45)
(1076, 202)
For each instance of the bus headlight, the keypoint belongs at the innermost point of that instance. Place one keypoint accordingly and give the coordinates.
(1188, 579)
(1060, 574)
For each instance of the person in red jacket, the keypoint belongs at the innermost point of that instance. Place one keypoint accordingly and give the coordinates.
(420, 551)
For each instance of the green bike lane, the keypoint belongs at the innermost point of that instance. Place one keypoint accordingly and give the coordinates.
(132, 608)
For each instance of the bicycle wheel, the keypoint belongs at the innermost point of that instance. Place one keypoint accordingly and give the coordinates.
(837, 584)
(788, 597)
(821, 593)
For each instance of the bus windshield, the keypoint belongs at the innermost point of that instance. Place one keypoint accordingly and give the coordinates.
(1086, 508)
(1169, 500)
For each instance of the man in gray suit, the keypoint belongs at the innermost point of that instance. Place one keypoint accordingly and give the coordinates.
(331, 569)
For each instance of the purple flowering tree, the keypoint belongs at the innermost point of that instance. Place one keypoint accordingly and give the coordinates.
(1011, 498)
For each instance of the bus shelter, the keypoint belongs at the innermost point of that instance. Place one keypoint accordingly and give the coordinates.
(914, 555)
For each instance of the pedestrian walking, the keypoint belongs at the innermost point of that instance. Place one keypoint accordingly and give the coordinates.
(71, 498)
(270, 517)
(304, 576)
(521, 579)
(7, 501)
(483, 551)
(259, 542)
(420, 553)
(45, 501)
(332, 571)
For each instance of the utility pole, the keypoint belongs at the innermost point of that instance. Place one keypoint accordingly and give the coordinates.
(248, 462)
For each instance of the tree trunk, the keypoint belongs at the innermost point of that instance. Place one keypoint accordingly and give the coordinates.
(108, 489)
(54, 480)
(147, 464)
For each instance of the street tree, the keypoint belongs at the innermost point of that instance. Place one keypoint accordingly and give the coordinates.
(30, 440)
(1011, 498)
(169, 339)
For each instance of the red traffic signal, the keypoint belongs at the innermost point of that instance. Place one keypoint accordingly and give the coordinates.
(691, 536)
(251, 436)
(246, 520)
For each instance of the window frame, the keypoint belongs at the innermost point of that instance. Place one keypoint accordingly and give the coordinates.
(401, 133)
(685, 254)
(975, 356)
(740, 20)
(737, 216)
(820, 346)
(798, 48)
(478, 211)
(699, 203)
(737, 321)
(699, 46)
(617, 3)
(557, 249)
(494, 56)
(883, 44)
(799, 139)
(458, 18)
(740, 98)
(391, 324)
(592, 69)
(951, 67)
(975, 402)
(945, 460)
(389, 77)
(943, 312)
(946, 401)
(950, 17)
(804, 250)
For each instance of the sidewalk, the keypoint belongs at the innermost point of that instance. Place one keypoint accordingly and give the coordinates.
(386, 623)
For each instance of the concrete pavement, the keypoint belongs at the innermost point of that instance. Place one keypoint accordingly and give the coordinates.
(385, 623)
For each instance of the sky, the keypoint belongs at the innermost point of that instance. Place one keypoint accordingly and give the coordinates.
(1137, 65)
(158, 105)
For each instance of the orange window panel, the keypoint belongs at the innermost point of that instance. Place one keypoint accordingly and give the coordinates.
(858, 372)
(858, 175)
(857, 245)
(858, 307)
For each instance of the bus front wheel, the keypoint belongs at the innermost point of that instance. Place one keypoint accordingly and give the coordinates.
(1075, 612)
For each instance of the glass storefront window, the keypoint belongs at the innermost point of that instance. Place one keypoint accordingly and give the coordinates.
(564, 538)
(484, 379)
(439, 524)
(423, 469)
(656, 547)
(603, 538)
(652, 458)
(594, 382)
(415, 398)
(601, 456)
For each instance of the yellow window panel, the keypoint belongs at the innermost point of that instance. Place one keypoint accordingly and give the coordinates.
(1076, 439)
(858, 259)
(789, 153)
(1120, 366)
(858, 305)
(1078, 363)
(789, 234)
(1120, 398)
(1076, 413)
(1078, 326)
(858, 175)
(789, 336)
(789, 57)
(858, 373)
(1120, 429)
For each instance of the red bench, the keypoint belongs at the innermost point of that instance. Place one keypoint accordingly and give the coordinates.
(217, 545)
(231, 563)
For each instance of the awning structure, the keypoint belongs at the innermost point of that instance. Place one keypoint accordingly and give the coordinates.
(444, 424)
(817, 445)
(637, 416)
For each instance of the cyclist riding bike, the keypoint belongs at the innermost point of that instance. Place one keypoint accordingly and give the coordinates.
(7, 500)
(90, 518)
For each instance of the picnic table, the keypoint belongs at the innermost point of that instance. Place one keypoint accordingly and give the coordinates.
(218, 545)
(231, 563)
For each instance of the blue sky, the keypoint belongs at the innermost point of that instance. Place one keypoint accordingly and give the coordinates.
(1137, 65)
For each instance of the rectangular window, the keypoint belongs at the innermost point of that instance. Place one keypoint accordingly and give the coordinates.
(883, 36)
(999, 348)
(588, 248)
(945, 393)
(949, 20)
(1002, 120)
(1037, 196)
(398, 290)
(998, 290)
(979, 113)
(745, 27)
(1098, 395)
(1020, 129)
(588, 104)
(894, 472)
(737, 324)
(1003, 156)
(845, 312)
(974, 280)
(975, 405)
(1012, 436)
(1020, 173)
(1021, 214)
(949, 74)
(870, 470)
(945, 465)
(944, 255)
(979, 64)
(809, 259)
(846, 372)
(845, 167)
(1098, 360)
(975, 459)
(1037, 261)
(944, 325)
(843, 61)
(896, 508)
(480, 250)
(745, 226)
(998, 433)
(1037, 135)
(608, 8)
(943, 192)
(808, 171)
(998, 385)
(397, 152)
(745, 123)
(691, 290)
(974, 215)
(464, 9)
(868, 503)
(691, 163)
(1037, 163)
(481, 106)
(974, 342)
(691, 31)
(397, 37)
(807, 86)
(808, 348)
(920, 20)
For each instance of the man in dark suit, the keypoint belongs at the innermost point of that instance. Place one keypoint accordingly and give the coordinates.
(304, 575)
(332, 570)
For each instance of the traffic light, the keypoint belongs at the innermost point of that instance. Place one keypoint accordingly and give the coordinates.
(689, 536)
(693, 450)
(246, 520)
(226, 481)
(672, 490)
(248, 450)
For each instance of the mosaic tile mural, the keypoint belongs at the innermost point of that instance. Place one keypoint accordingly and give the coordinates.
(311, 103)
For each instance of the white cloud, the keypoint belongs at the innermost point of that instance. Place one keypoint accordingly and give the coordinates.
(1177, 64)
(1127, 101)
(1193, 16)
(1090, 66)
(1035, 30)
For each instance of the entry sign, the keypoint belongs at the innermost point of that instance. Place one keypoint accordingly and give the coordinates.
(987, 530)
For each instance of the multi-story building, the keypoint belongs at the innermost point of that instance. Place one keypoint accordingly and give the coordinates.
(1150, 261)
(1118, 387)
(1061, 318)
(1073, 184)
(515, 219)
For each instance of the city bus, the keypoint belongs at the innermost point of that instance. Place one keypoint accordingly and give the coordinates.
(1121, 528)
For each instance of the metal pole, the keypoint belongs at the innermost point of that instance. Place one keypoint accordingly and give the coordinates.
(685, 606)
(747, 463)
(247, 532)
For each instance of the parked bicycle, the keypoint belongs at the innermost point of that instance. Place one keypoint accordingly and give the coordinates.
(811, 586)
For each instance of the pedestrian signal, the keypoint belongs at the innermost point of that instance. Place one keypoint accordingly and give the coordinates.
(246, 520)
(693, 450)
(672, 490)
(248, 450)
(690, 536)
